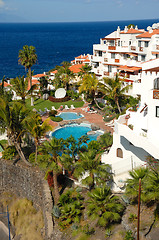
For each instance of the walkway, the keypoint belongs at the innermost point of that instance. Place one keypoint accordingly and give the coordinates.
(94, 118)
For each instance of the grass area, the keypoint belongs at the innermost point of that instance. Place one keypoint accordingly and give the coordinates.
(42, 104)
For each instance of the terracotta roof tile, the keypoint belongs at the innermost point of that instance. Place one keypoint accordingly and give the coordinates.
(76, 68)
(132, 31)
(148, 34)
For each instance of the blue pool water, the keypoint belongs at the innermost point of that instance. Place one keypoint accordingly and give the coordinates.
(70, 115)
(75, 130)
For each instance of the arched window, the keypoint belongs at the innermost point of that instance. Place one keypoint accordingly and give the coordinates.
(156, 83)
(119, 153)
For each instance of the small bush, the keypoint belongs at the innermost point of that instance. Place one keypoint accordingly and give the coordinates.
(9, 153)
(4, 143)
(56, 119)
(129, 235)
(132, 217)
(52, 113)
(32, 158)
(108, 119)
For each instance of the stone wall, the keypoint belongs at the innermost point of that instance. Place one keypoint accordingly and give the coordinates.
(29, 183)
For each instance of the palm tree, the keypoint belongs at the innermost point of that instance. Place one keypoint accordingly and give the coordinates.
(152, 187)
(37, 130)
(64, 75)
(20, 86)
(12, 117)
(114, 90)
(89, 85)
(52, 150)
(27, 58)
(132, 184)
(104, 206)
(85, 69)
(90, 163)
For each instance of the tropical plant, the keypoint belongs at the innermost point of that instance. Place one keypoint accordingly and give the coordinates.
(132, 184)
(71, 206)
(114, 90)
(20, 86)
(89, 85)
(51, 152)
(12, 117)
(6, 94)
(27, 58)
(85, 69)
(43, 84)
(104, 207)
(37, 130)
(63, 75)
(90, 168)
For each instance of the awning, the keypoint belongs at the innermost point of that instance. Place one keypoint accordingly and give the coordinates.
(155, 52)
(132, 54)
(129, 69)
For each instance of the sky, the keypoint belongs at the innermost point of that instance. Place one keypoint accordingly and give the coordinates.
(77, 10)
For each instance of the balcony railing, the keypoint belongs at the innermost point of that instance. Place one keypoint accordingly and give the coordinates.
(133, 48)
(117, 60)
(111, 47)
(155, 94)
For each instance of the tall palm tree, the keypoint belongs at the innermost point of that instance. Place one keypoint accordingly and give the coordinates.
(89, 85)
(52, 149)
(90, 163)
(12, 117)
(20, 86)
(64, 75)
(113, 89)
(105, 207)
(37, 130)
(27, 58)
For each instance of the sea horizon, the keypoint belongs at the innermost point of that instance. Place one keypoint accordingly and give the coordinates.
(55, 42)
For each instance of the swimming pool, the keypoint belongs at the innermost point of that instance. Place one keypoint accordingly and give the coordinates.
(70, 115)
(76, 130)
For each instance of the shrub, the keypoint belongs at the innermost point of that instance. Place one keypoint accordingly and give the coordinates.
(108, 119)
(129, 235)
(4, 143)
(9, 153)
(32, 158)
(52, 113)
(56, 119)
(56, 211)
(132, 217)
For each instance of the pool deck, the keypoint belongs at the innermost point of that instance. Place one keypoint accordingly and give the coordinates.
(93, 118)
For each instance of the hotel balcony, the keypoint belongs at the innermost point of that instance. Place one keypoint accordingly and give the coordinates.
(155, 94)
(138, 139)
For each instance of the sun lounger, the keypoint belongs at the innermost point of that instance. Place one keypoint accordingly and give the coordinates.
(66, 107)
(109, 123)
(53, 108)
(91, 111)
(72, 107)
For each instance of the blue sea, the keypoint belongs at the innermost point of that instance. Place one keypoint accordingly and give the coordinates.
(54, 42)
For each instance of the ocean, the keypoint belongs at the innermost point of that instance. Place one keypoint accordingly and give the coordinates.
(54, 42)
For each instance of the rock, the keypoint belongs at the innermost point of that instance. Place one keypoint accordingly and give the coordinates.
(94, 127)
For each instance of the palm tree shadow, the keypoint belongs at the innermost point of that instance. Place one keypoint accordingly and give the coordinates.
(66, 183)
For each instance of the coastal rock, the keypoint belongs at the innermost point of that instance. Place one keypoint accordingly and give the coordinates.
(94, 127)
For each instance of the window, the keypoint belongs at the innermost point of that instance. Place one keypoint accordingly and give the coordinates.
(139, 43)
(100, 53)
(109, 68)
(119, 153)
(157, 111)
(156, 83)
(119, 43)
(129, 42)
(112, 43)
(146, 44)
(113, 55)
(142, 58)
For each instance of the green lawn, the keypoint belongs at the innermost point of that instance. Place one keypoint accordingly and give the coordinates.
(42, 104)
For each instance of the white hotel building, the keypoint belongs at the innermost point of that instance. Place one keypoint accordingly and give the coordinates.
(134, 54)
(124, 52)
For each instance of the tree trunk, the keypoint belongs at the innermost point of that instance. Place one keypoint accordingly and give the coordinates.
(117, 103)
(92, 185)
(98, 104)
(32, 101)
(20, 152)
(30, 78)
(56, 190)
(36, 152)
